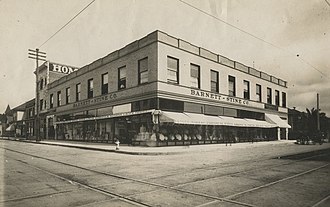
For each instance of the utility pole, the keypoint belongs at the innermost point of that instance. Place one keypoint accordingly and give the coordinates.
(37, 55)
(318, 111)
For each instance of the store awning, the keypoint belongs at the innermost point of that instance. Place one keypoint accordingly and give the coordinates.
(201, 119)
(10, 128)
(275, 119)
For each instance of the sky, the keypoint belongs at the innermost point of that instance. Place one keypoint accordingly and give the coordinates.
(287, 39)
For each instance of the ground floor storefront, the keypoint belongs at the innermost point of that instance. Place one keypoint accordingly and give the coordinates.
(164, 128)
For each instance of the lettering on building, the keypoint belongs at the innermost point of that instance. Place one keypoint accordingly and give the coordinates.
(95, 100)
(218, 97)
(61, 68)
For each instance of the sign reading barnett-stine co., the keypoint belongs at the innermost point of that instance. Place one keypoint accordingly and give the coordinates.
(61, 68)
(218, 97)
(95, 100)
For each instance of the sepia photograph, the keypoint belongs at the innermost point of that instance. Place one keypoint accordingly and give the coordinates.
(200, 103)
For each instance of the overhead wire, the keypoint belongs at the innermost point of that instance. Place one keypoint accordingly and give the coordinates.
(254, 36)
(67, 23)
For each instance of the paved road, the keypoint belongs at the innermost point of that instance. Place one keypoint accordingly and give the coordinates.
(248, 175)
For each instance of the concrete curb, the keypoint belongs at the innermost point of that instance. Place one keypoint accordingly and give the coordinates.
(94, 148)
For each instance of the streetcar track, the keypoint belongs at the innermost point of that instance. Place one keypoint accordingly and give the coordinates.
(226, 199)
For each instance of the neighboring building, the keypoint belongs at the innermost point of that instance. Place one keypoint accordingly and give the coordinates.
(3, 124)
(161, 90)
(48, 72)
(29, 119)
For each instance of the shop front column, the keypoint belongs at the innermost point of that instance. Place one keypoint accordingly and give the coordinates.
(279, 133)
(287, 133)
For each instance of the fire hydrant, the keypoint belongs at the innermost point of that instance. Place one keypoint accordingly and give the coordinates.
(117, 144)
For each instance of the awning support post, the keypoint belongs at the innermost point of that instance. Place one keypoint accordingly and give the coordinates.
(278, 133)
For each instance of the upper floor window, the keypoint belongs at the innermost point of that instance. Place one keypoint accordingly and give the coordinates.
(172, 70)
(214, 81)
(67, 98)
(194, 76)
(246, 91)
(258, 92)
(122, 78)
(59, 98)
(78, 92)
(41, 84)
(45, 81)
(143, 70)
(41, 102)
(105, 83)
(269, 95)
(51, 101)
(90, 87)
(231, 86)
(283, 99)
(277, 98)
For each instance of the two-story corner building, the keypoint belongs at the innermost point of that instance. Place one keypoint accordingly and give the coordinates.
(48, 73)
(161, 90)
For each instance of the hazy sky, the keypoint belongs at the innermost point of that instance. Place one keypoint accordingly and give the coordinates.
(294, 27)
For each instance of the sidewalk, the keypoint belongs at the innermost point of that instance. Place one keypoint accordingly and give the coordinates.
(138, 150)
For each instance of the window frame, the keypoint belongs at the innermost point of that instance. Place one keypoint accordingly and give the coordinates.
(284, 104)
(142, 71)
(259, 95)
(192, 67)
(78, 91)
(269, 96)
(67, 95)
(105, 86)
(216, 82)
(59, 98)
(51, 100)
(277, 97)
(90, 88)
(174, 70)
(122, 80)
(234, 85)
(246, 91)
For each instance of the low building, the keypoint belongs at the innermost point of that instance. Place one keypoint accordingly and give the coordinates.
(161, 90)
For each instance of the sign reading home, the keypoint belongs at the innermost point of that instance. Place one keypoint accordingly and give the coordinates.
(61, 68)
(95, 100)
(218, 97)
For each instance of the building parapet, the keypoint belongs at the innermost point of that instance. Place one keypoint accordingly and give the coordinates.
(159, 36)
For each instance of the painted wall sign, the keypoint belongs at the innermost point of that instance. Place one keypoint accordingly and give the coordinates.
(95, 100)
(61, 68)
(218, 97)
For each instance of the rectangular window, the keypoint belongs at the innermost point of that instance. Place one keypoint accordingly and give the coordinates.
(41, 84)
(122, 78)
(283, 99)
(143, 70)
(78, 91)
(246, 92)
(59, 98)
(51, 101)
(172, 70)
(41, 102)
(194, 76)
(214, 81)
(105, 83)
(277, 98)
(67, 98)
(90, 88)
(269, 95)
(232, 86)
(258, 92)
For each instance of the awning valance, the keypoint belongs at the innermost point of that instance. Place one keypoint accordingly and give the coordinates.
(275, 119)
(201, 119)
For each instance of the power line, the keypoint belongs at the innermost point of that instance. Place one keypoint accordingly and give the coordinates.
(67, 23)
(327, 2)
(252, 35)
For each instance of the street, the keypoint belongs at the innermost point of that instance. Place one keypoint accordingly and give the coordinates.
(244, 174)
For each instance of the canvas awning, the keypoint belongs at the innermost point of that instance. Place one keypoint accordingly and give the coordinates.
(201, 119)
(275, 119)
(10, 128)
